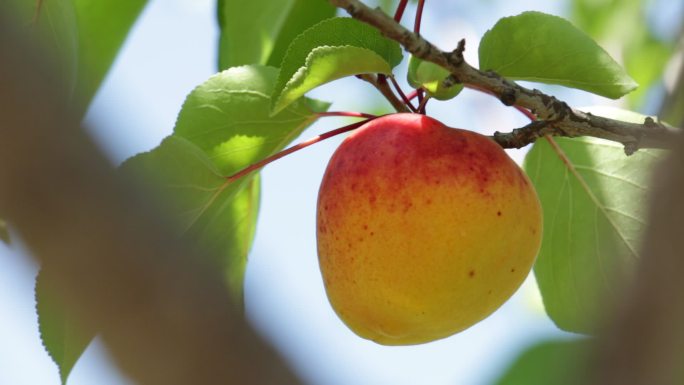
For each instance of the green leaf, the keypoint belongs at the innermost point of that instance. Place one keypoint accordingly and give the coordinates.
(86, 35)
(224, 126)
(64, 339)
(4, 234)
(259, 31)
(557, 362)
(228, 117)
(230, 234)
(537, 47)
(648, 73)
(102, 28)
(621, 24)
(330, 50)
(217, 216)
(191, 181)
(594, 216)
(430, 76)
(214, 215)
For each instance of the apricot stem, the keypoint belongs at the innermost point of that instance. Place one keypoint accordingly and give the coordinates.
(297, 147)
(412, 95)
(423, 103)
(419, 16)
(401, 93)
(400, 10)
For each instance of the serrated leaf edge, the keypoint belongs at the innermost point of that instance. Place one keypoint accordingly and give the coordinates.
(303, 71)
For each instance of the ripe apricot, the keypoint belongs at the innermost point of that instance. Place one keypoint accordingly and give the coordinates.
(423, 230)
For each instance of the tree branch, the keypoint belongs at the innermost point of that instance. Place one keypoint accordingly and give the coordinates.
(560, 119)
(381, 85)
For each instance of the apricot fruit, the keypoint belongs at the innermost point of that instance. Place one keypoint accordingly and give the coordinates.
(423, 230)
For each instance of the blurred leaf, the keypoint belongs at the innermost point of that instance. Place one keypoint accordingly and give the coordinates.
(556, 362)
(224, 126)
(53, 23)
(543, 48)
(645, 58)
(63, 339)
(623, 25)
(600, 18)
(594, 216)
(4, 234)
(259, 31)
(228, 117)
(303, 14)
(102, 28)
(430, 76)
(86, 35)
(330, 50)
(196, 197)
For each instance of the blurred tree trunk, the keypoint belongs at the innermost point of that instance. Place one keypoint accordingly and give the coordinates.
(645, 344)
(166, 318)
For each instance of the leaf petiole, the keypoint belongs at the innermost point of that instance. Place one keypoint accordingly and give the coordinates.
(295, 148)
(419, 17)
(351, 114)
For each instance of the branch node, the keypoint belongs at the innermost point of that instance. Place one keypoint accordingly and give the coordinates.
(450, 81)
(508, 97)
(631, 147)
(456, 56)
(562, 120)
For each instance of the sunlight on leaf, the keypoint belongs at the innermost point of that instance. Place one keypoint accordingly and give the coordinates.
(228, 117)
(224, 126)
(430, 76)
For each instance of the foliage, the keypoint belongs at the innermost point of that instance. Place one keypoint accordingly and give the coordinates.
(558, 362)
(595, 214)
(543, 48)
(271, 53)
(63, 337)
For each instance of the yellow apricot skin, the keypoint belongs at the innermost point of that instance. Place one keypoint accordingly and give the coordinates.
(423, 230)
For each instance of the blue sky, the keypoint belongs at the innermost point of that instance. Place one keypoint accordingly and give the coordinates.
(170, 51)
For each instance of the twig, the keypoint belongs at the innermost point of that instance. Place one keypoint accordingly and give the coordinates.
(565, 120)
(258, 165)
(386, 91)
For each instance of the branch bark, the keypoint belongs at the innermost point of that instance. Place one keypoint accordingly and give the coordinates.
(561, 119)
(165, 316)
(380, 83)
